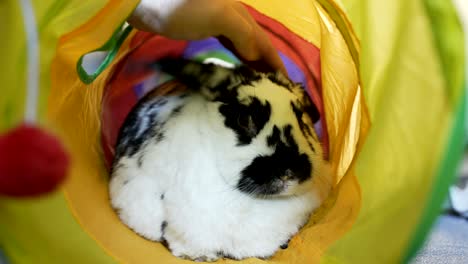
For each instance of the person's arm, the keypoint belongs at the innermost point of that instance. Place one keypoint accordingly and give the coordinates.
(198, 19)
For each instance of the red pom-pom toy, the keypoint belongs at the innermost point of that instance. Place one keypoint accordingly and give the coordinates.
(32, 162)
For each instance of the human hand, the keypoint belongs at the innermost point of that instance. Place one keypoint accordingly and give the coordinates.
(228, 20)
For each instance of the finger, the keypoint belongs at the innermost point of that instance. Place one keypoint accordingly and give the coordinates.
(258, 65)
(268, 53)
(268, 59)
(240, 32)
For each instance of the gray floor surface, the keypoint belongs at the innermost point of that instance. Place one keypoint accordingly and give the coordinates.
(447, 244)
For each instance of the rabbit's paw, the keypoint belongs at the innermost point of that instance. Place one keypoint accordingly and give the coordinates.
(140, 206)
(184, 250)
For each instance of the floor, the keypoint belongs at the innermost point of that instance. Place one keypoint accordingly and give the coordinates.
(447, 244)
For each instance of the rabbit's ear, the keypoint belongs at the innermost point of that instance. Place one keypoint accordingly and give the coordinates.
(195, 74)
(214, 81)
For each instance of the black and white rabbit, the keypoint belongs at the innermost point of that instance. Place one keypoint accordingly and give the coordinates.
(230, 168)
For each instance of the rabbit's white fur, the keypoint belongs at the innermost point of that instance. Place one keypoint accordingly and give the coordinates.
(182, 189)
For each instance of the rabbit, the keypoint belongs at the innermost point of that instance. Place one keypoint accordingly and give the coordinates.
(229, 168)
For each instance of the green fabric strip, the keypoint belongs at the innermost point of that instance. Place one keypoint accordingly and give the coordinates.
(112, 46)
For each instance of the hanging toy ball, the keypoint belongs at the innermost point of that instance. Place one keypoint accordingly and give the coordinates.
(32, 162)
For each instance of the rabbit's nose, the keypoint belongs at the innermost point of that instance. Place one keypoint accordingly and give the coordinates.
(288, 174)
(284, 177)
(278, 183)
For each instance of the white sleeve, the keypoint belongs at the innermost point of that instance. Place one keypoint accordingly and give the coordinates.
(155, 13)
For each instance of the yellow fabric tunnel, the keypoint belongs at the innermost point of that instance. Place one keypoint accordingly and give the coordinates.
(393, 102)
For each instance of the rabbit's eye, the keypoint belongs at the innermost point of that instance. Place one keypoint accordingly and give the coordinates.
(246, 122)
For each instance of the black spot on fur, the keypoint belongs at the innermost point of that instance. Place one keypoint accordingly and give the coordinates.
(312, 111)
(305, 104)
(266, 174)
(164, 242)
(223, 254)
(162, 239)
(162, 196)
(161, 102)
(159, 137)
(285, 245)
(281, 81)
(194, 74)
(125, 182)
(176, 111)
(227, 89)
(247, 75)
(163, 227)
(140, 125)
(246, 120)
(197, 75)
(298, 112)
(223, 92)
(117, 210)
(305, 129)
(140, 160)
(275, 137)
(116, 166)
(265, 257)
